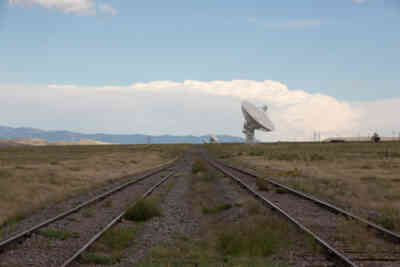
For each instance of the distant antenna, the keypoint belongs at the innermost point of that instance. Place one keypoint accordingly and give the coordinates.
(214, 139)
(256, 119)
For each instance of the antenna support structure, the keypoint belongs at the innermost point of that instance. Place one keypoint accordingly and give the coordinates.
(255, 119)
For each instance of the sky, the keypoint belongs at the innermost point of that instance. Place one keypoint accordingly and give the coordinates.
(183, 67)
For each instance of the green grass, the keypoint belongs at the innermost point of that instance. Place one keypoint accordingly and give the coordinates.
(60, 235)
(199, 166)
(143, 210)
(261, 238)
(109, 248)
(93, 258)
(217, 209)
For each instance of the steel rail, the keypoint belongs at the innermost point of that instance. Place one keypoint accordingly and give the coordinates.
(331, 250)
(62, 215)
(110, 224)
(333, 208)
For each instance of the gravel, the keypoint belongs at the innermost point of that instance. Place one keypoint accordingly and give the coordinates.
(39, 250)
(357, 243)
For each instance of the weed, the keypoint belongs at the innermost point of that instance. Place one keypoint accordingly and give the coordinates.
(107, 203)
(199, 166)
(280, 190)
(216, 209)
(60, 235)
(88, 212)
(118, 238)
(261, 238)
(93, 258)
(143, 210)
(262, 184)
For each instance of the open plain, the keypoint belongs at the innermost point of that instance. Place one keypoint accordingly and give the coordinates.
(194, 214)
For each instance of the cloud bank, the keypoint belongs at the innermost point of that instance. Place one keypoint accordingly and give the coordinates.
(78, 7)
(191, 107)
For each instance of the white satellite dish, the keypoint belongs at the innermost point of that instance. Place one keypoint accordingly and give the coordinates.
(256, 119)
(214, 139)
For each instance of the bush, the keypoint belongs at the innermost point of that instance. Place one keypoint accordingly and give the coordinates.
(143, 210)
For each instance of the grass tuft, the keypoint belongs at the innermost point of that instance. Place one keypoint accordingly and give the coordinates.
(143, 210)
(60, 235)
(199, 166)
(262, 184)
(93, 258)
(261, 238)
(216, 209)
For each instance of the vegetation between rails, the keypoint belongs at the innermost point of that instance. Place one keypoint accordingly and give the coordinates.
(356, 176)
(254, 240)
(143, 210)
(109, 249)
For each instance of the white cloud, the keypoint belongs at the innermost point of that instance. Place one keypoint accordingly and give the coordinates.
(78, 7)
(191, 107)
(106, 8)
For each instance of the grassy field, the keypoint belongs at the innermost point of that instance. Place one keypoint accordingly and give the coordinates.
(31, 177)
(362, 177)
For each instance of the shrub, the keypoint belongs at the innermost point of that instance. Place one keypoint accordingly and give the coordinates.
(143, 210)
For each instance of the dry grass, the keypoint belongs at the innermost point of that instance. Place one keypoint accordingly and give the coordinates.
(31, 177)
(357, 176)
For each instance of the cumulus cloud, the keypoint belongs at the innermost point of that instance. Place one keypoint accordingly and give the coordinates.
(106, 8)
(79, 7)
(191, 107)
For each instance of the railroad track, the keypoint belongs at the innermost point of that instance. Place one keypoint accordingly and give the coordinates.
(342, 234)
(83, 224)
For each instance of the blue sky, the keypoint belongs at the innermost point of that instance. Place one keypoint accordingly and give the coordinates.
(341, 48)
(345, 49)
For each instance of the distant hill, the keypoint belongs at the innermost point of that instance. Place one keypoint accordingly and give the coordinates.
(66, 136)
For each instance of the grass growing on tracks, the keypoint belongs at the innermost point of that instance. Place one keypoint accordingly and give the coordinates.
(143, 210)
(33, 177)
(262, 237)
(60, 235)
(109, 249)
(199, 166)
(361, 177)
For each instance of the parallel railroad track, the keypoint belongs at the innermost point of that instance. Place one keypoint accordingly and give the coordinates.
(342, 234)
(81, 218)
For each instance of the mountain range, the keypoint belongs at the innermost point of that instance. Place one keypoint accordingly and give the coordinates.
(57, 136)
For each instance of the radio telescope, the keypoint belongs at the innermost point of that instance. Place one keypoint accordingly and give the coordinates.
(256, 119)
(214, 139)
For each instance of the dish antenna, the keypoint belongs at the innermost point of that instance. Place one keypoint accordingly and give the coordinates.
(256, 119)
(214, 139)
